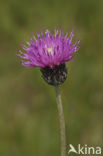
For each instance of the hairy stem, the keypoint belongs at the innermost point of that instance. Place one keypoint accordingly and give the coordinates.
(61, 120)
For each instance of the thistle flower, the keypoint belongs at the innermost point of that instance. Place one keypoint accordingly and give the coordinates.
(50, 52)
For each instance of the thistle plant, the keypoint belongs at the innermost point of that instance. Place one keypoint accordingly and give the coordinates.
(50, 53)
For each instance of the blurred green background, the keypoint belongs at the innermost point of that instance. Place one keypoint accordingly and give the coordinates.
(29, 123)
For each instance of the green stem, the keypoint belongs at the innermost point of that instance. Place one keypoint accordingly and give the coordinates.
(61, 120)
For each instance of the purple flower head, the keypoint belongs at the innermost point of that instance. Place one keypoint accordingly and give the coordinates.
(49, 50)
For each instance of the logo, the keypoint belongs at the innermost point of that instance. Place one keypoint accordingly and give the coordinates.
(84, 149)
